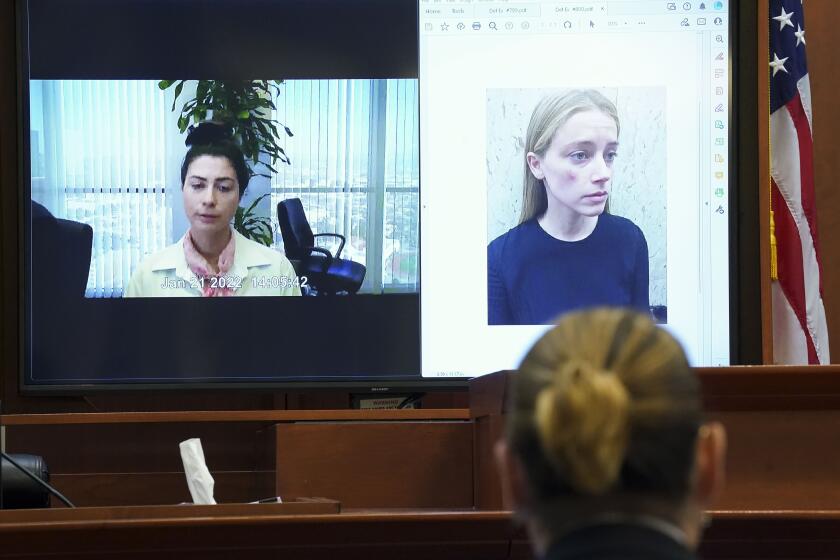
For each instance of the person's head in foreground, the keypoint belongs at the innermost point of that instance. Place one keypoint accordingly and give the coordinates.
(570, 146)
(605, 441)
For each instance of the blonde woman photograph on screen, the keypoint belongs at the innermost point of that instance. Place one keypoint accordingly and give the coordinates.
(567, 251)
(606, 453)
(212, 259)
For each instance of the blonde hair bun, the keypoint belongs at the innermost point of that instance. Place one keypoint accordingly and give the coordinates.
(604, 405)
(582, 423)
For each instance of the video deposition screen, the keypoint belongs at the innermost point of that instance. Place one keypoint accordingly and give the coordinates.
(177, 153)
(578, 154)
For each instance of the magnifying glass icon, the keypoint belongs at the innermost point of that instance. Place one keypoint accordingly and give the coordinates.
(493, 25)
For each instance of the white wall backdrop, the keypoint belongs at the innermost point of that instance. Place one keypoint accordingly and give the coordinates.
(638, 186)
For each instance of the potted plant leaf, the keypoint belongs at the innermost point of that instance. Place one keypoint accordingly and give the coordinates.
(252, 226)
(245, 106)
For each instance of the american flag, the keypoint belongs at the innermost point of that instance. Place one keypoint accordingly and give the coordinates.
(800, 335)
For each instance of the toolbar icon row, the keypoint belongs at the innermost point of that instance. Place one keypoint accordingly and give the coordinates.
(476, 26)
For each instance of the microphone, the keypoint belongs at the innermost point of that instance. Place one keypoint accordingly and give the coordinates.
(5, 457)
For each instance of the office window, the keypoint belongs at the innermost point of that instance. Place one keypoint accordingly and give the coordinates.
(355, 167)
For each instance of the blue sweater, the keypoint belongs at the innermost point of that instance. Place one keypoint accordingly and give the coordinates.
(533, 277)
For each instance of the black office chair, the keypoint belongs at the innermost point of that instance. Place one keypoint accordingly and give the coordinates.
(61, 254)
(325, 272)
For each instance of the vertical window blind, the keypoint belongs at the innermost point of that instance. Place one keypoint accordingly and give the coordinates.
(355, 167)
(402, 185)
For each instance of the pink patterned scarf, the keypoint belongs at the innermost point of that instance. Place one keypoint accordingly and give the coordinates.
(205, 272)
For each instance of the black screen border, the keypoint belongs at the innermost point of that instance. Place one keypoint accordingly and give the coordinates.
(745, 324)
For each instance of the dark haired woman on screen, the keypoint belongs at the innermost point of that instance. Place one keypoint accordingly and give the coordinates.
(567, 252)
(213, 259)
(606, 455)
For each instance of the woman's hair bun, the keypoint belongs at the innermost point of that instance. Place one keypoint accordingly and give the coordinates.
(582, 423)
(207, 133)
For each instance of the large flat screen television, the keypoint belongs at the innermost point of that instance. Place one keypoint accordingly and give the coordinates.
(325, 93)
(352, 123)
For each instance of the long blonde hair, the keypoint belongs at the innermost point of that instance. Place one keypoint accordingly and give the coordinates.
(549, 115)
(604, 405)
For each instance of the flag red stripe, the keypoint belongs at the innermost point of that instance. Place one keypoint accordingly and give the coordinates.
(790, 267)
(806, 171)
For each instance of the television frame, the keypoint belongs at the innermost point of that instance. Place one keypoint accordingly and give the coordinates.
(745, 274)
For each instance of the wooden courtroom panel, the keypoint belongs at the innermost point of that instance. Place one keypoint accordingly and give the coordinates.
(295, 506)
(267, 531)
(140, 463)
(132, 458)
(487, 487)
(782, 460)
(783, 425)
(772, 535)
(783, 429)
(823, 21)
(378, 464)
(98, 489)
(151, 532)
